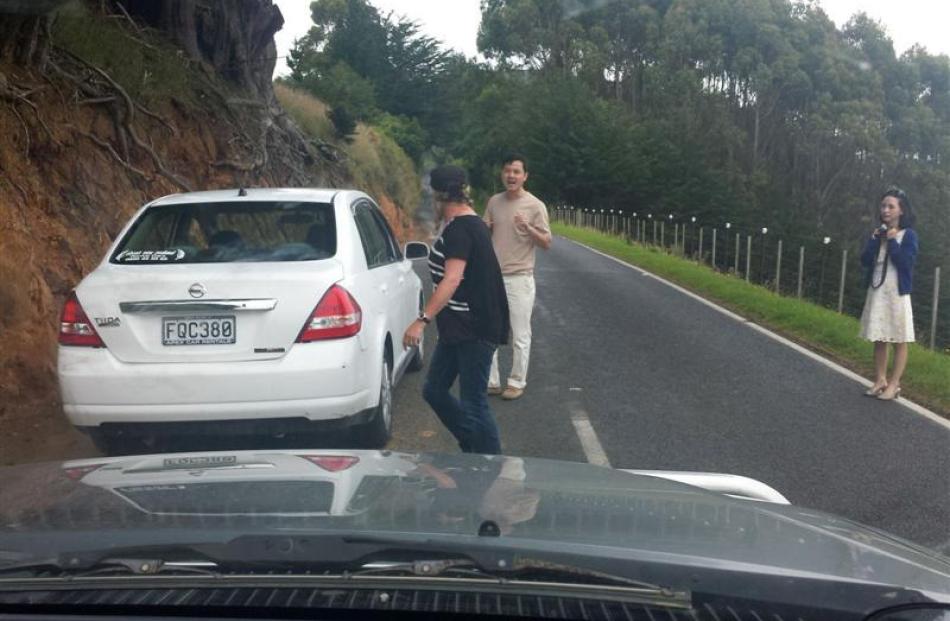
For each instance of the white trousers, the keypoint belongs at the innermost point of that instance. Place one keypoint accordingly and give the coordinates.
(520, 290)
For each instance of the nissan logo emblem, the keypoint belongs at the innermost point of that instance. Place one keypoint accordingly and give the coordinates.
(197, 290)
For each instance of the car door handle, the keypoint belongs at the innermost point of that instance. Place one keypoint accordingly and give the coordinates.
(384, 288)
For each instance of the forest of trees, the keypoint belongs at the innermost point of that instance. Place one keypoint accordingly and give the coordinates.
(758, 112)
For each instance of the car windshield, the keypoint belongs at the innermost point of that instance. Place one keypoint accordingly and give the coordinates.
(224, 232)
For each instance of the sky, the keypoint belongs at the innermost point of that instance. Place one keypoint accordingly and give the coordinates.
(455, 22)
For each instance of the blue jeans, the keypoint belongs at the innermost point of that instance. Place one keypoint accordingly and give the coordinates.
(469, 418)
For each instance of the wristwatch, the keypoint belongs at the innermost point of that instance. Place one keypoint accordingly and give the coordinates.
(424, 318)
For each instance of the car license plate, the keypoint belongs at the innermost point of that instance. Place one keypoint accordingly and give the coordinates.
(210, 461)
(198, 330)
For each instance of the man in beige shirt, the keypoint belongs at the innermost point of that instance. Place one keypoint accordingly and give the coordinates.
(519, 224)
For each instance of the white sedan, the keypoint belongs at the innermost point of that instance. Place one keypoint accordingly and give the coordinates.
(265, 312)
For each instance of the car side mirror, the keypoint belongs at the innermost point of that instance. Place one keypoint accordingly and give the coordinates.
(416, 250)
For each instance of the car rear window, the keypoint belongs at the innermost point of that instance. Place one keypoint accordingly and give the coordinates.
(230, 231)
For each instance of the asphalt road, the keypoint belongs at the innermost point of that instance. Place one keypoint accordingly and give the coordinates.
(668, 383)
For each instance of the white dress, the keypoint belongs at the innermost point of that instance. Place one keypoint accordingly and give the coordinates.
(887, 315)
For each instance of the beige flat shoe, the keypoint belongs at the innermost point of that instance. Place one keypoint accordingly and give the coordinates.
(494, 390)
(884, 396)
(511, 393)
(873, 392)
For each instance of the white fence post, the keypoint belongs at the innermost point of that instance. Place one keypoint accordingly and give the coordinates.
(778, 270)
(748, 257)
(714, 248)
(933, 310)
(801, 269)
(735, 270)
(844, 272)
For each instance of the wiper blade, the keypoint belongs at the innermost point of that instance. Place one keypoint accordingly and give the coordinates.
(521, 569)
(329, 554)
(147, 567)
(560, 570)
(113, 567)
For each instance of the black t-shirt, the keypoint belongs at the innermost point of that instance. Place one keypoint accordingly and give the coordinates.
(479, 308)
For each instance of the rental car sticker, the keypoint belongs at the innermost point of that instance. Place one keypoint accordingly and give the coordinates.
(139, 256)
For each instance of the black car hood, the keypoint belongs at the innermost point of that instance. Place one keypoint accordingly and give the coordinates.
(53, 509)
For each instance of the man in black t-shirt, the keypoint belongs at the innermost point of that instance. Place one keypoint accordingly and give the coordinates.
(471, 312)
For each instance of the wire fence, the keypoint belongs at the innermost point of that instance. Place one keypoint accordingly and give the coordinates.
(824, 271)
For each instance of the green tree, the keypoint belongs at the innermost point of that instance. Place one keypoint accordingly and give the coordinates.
(371, 64)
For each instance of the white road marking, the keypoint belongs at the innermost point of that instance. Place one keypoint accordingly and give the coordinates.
(593, 449)
(910, 405)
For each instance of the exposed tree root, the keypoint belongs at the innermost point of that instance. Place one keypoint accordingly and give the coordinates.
(123, 117)
(26, 130)
(111, 150)
(19, 189)
(16, 94)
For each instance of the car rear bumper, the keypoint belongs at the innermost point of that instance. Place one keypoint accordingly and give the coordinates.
(312, 382)
(226, 429)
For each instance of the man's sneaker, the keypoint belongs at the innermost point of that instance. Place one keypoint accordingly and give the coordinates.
(511, 393)
(494, 390)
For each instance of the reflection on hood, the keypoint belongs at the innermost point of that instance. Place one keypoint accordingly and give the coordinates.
(528, 502)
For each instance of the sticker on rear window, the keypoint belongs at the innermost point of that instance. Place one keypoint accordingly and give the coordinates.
(150, 256)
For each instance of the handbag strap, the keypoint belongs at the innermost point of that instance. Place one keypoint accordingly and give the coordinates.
(887, 252)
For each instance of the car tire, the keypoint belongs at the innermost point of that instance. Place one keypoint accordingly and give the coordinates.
(377, 432)
(113, 445)
(102, 441)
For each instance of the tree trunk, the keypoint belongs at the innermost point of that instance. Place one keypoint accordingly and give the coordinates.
(24, 35)
(236, 39)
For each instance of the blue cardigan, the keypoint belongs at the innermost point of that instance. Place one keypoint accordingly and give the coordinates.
(902, 255)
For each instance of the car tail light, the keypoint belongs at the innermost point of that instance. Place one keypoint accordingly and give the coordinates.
(337, 316)
(74, 326)
(333, 463)
(79, 472)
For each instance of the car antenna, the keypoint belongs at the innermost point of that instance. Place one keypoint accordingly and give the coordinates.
(242, 192)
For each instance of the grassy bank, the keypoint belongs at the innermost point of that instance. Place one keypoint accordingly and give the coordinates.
(926, 381)
(374, 161)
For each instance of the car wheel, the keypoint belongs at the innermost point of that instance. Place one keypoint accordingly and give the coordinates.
(112, 445)
(377, 432)
(102, 441)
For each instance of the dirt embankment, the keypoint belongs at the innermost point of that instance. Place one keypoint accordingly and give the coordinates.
(79, 153)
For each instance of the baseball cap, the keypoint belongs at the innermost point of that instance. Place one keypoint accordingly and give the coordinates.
(447, 178)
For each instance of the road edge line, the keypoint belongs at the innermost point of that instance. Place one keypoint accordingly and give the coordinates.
(834, 366)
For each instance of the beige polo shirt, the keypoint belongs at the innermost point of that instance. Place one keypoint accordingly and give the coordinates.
(514, 248)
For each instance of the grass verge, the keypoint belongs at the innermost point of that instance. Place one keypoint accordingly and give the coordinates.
(926, 381)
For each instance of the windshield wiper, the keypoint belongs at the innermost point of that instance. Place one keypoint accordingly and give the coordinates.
(113, 567)
(343, 555)
(521, 568)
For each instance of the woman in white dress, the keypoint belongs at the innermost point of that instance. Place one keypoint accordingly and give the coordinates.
(888, 260)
